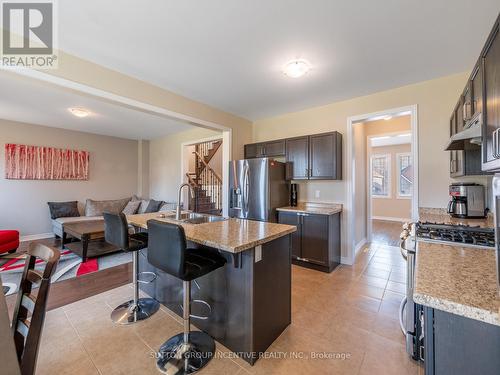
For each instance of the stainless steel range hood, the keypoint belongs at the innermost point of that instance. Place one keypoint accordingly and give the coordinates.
(471, 134)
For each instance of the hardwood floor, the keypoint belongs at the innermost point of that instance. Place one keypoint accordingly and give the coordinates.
(71, 290)
(386, 232)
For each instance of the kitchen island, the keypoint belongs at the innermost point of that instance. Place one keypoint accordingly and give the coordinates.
(250, 297)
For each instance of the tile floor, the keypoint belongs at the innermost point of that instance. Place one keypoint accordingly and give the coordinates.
(350, 313)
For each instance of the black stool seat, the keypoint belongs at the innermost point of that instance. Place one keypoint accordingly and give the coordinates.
(137, 241)
(199, 262)
(189, 351)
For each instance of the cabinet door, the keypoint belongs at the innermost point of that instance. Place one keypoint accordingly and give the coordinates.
(477, 90)
(459, 165)
(491, 100)
(297, 157)
(467, 106)
(292, 218)
(274, 149)
(315, 238)
(254, 150)
(323, 157)
(459, 110)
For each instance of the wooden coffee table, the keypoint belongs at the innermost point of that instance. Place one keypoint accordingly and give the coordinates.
(91, 235)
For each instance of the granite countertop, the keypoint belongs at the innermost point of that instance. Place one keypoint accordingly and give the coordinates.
(314, 208)
(440, 215)
(232, 235)
(458, 280)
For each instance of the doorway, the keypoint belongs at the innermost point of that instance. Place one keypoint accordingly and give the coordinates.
(389, 184)
(383, 182)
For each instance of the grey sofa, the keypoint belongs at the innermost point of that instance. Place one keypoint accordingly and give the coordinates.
(93, 211)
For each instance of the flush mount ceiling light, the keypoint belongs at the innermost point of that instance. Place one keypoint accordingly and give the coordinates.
(79, 112)
(296, 68)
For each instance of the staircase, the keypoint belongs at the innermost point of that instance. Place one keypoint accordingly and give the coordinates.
(206, 183)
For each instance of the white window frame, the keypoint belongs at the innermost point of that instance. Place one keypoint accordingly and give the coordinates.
(389, 181)
(398, 170)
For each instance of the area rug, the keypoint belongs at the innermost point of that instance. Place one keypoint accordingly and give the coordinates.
(70, 265)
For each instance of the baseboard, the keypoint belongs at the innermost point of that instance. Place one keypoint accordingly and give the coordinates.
(359, 246)
(33, 237)
(346, 260)
(389, 218)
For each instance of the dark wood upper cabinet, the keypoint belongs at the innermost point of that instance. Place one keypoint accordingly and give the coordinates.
(297, 158)
(265, 149)
(467, 109)
(459, 111)
(254, 150)
(491, 101)
(317, 156)
(476, 83)
(324, 159)
(274, 148)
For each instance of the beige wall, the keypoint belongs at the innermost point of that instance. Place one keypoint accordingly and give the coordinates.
(113, 173)
(393, 207)
(165, 162)
(435, 100)
(85, 72)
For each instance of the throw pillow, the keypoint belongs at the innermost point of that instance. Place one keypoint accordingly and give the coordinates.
(96, 208)
(131, 207)
(153, 206)
(144, 204)
(63, 209)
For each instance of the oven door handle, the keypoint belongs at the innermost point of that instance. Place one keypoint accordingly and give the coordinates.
(402, 307)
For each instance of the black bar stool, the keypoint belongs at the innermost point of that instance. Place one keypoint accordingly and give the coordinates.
(116, 233)
(188, 351)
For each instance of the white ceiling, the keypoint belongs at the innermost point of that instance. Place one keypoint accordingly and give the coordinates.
(229, 53)
(28, 100)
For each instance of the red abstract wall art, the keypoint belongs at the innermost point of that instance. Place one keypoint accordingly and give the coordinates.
(45, 163)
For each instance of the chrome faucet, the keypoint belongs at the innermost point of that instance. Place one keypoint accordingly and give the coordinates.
(178, 208)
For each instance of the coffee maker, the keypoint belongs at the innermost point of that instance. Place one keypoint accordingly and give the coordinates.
(467, 200)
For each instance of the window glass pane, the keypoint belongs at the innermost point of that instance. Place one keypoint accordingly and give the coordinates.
(380, 175)
(405, 175)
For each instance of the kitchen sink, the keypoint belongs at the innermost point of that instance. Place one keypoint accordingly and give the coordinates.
(196, 218)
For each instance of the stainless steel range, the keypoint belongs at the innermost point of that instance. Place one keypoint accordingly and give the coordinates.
(411, 316)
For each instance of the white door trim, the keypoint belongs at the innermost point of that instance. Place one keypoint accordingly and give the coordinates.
(351, 175)
(148, 108)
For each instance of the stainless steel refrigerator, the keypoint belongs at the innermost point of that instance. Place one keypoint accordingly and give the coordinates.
(256, 188)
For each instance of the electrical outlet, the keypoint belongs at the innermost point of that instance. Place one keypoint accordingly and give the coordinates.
(317, 193)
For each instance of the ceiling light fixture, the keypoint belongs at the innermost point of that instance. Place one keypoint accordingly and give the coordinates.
(79, 112)
(296, 68)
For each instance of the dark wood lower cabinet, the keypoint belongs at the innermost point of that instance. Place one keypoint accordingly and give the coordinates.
(316, 243)
(455, 345)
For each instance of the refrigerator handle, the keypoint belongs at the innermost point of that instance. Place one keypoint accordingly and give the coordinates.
(246, 189)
